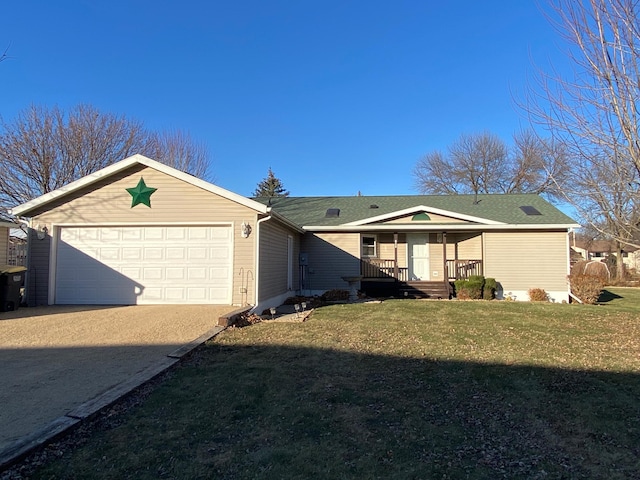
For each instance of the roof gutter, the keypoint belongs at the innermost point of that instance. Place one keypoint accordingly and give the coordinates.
(435, 228)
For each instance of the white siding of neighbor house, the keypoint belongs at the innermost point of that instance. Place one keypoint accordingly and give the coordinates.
(175, 202)
(520, 261)
(4, 245)
(331, 257)
(274, 260)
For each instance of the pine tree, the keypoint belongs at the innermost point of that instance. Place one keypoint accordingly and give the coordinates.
(270, 187)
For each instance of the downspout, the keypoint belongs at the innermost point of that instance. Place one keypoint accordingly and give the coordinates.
(257, 283)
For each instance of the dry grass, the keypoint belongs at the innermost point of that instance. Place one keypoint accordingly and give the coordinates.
(402, 389)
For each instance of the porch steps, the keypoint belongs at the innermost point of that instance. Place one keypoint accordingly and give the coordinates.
(438, 290)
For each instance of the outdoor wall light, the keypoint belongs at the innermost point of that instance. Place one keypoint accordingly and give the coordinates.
(41, 232)
(245, 230)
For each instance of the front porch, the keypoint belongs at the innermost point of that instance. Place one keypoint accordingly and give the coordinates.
(418, 265)
(383, 277)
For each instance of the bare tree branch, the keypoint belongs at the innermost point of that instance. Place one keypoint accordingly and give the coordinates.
(43, 149)
(594, 114)
(483, 163)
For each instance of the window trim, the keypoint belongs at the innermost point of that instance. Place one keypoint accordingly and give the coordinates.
(375, 246)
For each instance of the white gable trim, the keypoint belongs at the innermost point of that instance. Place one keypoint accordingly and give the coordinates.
(423, 208)
(123, 165)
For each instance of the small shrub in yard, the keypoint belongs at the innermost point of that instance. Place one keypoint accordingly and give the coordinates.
(489, 289)
(246, 319)
(335, 295)
(586, 287)
(470, 288)
(538, 295)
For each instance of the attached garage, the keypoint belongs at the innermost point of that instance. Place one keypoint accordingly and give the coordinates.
(143, 264)
(142, 232)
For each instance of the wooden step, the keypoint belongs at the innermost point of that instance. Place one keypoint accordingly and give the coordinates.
(437, 290)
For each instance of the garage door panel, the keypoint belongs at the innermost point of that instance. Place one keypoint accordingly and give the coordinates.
(198, 233)
(109, 235)
(194, 253)
(176, 233)
(132, 233)
(218, 274)
(151, 234)
(153, 253)
(129, 265)
(107, 254)
(176, 253)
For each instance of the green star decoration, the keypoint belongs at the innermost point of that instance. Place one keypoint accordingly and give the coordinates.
(141, 194)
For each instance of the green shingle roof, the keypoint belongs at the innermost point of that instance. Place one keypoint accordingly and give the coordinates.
(311, 211)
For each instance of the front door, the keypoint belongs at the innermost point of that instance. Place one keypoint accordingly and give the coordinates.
(418, 252)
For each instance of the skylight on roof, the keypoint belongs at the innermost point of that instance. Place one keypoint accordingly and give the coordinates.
(529, 210)
(332, 213)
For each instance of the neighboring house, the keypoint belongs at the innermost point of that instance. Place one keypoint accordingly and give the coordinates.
(140, 232)
(17, 252)
(5, 229)
(601, 249)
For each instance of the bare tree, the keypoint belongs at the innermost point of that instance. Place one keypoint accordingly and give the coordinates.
(483, 163)
(178, 149)
(44, 149)
(594, 111)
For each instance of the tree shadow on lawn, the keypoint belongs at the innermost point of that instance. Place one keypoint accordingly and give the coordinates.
(283, 412)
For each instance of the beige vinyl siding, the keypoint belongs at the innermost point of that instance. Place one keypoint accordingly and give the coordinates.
(4, 245)
(436, 258)
(524, 260)
(274, 259)
(386, 248)
(108, 202)
(464, 246)
(331, 256)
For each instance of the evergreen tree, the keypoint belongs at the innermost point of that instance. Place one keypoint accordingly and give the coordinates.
(270, 187)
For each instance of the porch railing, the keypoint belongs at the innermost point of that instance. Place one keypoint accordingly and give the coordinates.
(381, 268)
(386, 268)
(459, 269)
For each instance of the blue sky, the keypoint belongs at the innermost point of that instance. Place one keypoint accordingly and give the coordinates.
(336, 96)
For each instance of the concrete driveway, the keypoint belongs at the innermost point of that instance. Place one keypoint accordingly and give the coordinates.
(55, 360)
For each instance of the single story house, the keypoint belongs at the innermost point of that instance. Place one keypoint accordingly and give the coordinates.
(139, 232)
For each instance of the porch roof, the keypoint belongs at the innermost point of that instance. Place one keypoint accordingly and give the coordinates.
(365, 212)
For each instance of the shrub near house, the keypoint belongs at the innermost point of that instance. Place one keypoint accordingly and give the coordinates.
(476, 287)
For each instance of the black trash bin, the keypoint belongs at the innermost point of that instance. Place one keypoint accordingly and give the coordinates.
(11, 279)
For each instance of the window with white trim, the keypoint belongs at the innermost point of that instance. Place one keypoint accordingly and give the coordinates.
(369, 246)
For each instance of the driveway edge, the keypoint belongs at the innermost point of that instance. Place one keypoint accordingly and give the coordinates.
(21, 448)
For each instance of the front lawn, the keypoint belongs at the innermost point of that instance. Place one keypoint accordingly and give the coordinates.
(403, 389)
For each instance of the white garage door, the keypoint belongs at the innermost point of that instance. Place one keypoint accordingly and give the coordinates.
(146, 264)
